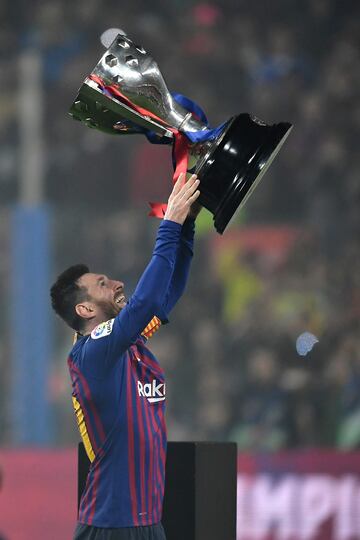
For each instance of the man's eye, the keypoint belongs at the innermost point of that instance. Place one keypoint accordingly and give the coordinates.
(102, 283)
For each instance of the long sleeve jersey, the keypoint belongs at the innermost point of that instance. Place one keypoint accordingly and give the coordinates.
(118, 393)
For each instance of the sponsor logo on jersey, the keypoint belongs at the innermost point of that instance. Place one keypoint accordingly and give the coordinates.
(154, 391)
(103, 329)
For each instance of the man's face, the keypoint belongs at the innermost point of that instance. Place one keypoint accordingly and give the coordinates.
(106, 296)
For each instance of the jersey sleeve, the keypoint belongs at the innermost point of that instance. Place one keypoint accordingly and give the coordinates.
(109, 340)
(182, 266)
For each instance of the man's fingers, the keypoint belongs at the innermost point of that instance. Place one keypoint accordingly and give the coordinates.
(181, 187)
(191, 180)
(193, 197)
(177, 186)
(190, 187)
(183, 195)
(180, 182)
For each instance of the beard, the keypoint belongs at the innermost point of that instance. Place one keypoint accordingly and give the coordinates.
(109, 310)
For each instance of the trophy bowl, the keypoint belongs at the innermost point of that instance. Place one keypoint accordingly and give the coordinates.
(126, 94)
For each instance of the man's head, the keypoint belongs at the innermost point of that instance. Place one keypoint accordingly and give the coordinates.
(84, 300)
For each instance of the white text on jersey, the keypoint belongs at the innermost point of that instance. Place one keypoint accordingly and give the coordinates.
(153, 391)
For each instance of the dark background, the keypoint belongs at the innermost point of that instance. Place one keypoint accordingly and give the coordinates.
(289, 263)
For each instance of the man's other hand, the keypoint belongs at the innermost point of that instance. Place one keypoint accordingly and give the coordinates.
(183, 195)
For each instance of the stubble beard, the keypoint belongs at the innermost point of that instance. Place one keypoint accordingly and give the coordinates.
(109, 310)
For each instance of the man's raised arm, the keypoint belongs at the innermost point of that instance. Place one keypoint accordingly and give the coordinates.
(151, 292)
(183, 260)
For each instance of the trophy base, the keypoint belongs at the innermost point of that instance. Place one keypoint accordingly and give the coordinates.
(235, 164)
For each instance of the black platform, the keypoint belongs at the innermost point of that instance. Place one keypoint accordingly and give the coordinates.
(200, 490)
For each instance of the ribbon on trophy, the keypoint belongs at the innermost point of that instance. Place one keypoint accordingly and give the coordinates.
(182, 139)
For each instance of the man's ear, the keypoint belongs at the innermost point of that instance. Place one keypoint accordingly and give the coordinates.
(86, 310)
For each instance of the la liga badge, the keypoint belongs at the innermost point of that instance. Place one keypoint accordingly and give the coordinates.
(103, 329)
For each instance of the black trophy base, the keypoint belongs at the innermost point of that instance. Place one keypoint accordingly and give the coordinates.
(236, 163)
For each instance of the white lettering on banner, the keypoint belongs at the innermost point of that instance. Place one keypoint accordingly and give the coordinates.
(295, 507)
(317, 502)
(263, 505)
(278, 506)
(347, 523)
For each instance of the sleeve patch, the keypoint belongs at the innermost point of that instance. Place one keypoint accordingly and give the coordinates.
(103, 329)
(152, 327)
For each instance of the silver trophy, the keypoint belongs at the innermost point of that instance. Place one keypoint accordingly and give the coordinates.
(126, 94)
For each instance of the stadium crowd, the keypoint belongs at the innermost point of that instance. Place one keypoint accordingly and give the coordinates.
(288, 265)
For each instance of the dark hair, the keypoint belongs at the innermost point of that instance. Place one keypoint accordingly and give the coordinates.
(66, 293)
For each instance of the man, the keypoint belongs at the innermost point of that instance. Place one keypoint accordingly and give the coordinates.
(118, 386)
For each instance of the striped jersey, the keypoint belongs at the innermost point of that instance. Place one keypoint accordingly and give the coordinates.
(119, 393)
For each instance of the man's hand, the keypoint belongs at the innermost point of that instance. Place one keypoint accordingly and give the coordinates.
(183, 195)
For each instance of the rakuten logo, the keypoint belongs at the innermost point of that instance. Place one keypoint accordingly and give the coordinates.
(153, 391)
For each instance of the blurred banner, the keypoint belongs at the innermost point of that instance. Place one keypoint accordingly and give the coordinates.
(313, 495)
(38, 494)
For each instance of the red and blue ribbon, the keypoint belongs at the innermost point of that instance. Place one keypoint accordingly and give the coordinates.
(182, 139)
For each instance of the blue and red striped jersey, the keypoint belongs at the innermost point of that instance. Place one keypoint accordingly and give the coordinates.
(118, 393)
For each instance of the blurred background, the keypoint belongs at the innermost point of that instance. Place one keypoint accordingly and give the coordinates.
(287, 265)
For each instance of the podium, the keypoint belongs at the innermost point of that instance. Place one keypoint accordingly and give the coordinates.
(200, 490)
